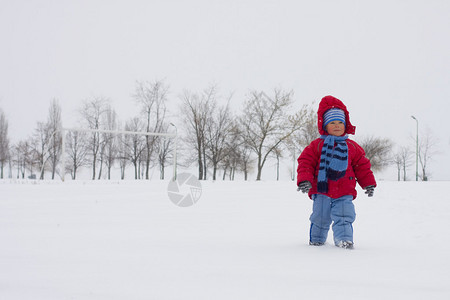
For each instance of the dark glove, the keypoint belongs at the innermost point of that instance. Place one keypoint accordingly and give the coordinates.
(304, 186)
(369, 190)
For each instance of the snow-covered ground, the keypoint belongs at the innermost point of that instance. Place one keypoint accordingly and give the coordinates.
(242, 240)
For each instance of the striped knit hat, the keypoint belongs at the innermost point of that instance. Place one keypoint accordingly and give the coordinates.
(333, 114)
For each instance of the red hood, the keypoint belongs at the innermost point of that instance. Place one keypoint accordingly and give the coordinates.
(325, 104)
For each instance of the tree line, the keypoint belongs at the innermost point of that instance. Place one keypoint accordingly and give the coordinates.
(213, 137)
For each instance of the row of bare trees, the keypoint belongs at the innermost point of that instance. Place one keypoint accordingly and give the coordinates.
(36, 153)
(381, 153)
(41, 152)
(264, 130)
(214, 138)
(104, 150)
(406, 156)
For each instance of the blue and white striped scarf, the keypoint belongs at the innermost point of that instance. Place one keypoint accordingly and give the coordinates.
(333, 160)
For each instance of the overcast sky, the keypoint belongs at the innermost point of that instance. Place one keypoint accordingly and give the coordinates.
(386, 60)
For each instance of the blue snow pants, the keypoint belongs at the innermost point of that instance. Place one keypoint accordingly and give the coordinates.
(326, 210)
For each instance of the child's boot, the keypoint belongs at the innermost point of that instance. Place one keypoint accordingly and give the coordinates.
(345, 244)
(316, 243)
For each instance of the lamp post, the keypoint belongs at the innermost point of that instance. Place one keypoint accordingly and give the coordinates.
(417, 148)
(175, 153)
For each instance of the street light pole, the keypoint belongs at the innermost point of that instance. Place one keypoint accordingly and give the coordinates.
(175, 153)
(417, 148)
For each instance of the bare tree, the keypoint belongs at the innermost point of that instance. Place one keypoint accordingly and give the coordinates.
(122, 155)
(402, 160)
(278, 153)
(40, 144)
(164, 147)
(190, 112)
(397, 160)
(246, 161)
(427, 146)
(196, 111)
(238, 153)
(4, 142)
(231, 152)
(266, 124)
(152, 98)
(229, 163)
(77, 149)
(134, 144)
(46, 141)
(218, 131)
(22, 157)
(92, 114)
(405, 156)
(55, 142)
(109, 149)
(10, 162)
(301, 138)
(309, 131)
(378, 151)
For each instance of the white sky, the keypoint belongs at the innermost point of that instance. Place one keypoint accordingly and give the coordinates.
(387, 60)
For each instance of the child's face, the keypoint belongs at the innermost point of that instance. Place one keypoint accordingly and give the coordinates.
(336, 128)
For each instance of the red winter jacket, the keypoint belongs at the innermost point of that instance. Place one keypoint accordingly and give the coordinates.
(358, 169)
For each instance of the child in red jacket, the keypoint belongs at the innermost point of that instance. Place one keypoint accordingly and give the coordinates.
(328, 170)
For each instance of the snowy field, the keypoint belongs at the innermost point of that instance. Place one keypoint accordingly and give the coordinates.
(242, 240)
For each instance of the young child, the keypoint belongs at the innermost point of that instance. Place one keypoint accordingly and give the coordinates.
(328, 170)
